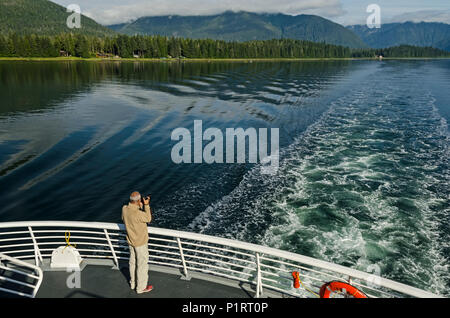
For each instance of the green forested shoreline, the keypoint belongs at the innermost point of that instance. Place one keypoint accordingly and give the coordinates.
(123, 46)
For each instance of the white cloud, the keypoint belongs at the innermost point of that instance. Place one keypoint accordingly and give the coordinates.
(423, 16)
(110, 12)
(342, 11)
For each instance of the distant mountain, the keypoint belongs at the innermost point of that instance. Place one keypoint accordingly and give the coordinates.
(444, 45)
(244, 26)
(42, 17)
(393, 34)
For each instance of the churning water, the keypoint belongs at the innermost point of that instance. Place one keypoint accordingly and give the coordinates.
(364, 174)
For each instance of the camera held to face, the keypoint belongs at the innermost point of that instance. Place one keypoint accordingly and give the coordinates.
(145, 199)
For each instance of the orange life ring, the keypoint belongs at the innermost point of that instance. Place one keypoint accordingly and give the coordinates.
(337, 286)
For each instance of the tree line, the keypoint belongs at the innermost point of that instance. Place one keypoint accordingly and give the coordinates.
(144, 46)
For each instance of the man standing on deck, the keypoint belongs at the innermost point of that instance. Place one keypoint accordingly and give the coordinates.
(136, 215)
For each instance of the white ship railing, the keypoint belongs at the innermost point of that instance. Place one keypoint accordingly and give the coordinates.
(22, 278)
(262, 267)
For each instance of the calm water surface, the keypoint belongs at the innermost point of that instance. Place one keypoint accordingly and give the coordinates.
(364, 175)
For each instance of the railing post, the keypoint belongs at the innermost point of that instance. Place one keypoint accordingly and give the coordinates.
(186, 275)
(37, 252)
(23, 282)
(112, 248)
(349, 282)
(259, 289)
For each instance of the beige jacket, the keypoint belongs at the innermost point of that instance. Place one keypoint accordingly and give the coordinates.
(136, 224)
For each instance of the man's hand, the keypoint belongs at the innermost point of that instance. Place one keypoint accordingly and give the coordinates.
(146, 200)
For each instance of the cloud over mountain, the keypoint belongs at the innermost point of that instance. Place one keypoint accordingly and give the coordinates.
(423, 16)
(115, 11)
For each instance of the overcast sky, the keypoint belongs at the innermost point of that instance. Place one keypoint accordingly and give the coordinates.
(345, 12)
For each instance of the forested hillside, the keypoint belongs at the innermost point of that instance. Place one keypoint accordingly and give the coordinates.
(162, 47)
(42, 17)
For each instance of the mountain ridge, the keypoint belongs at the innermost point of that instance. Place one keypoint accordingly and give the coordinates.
(244, 26)
(434, 34)
(44, 17)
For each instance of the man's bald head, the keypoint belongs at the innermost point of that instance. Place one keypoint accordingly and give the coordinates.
(135, 197)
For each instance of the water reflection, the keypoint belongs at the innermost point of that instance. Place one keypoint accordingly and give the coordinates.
(76, 137)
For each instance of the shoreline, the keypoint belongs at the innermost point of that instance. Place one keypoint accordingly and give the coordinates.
(74, 59)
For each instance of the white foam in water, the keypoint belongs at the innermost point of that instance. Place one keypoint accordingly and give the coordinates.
(358, 188)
